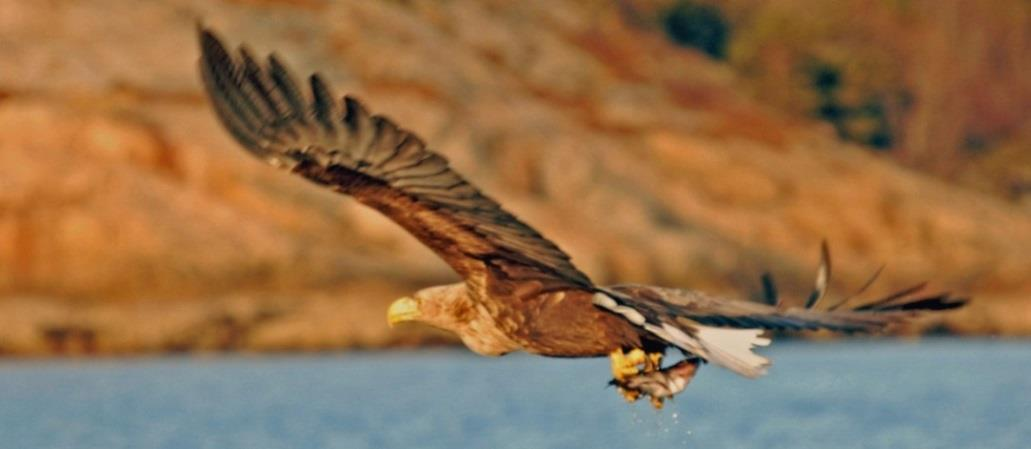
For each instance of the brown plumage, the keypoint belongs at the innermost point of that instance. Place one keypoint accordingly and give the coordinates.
(520, 291)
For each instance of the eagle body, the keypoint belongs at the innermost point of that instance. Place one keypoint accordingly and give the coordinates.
(568, 324)
(563, 323)
(520, 291)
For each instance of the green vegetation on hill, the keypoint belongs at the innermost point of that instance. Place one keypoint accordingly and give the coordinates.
(938, 85)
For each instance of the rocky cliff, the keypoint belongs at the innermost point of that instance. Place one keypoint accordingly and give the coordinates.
(129, 221)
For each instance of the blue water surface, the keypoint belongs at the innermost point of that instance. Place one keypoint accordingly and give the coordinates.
(866, 394)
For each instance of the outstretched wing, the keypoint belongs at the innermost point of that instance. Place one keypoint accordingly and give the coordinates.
(698, 307)
(725, 331)
(338, 144)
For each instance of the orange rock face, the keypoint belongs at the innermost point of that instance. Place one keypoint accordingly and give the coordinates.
(130, 222)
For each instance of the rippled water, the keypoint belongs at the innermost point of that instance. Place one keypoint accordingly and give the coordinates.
(935, 394)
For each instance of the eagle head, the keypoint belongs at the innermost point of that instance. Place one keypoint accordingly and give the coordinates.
(442, 306)
(450, 308)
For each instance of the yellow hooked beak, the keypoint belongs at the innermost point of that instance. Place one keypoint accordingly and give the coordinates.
(404, 309)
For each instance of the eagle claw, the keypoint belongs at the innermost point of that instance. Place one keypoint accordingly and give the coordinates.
(659, 384)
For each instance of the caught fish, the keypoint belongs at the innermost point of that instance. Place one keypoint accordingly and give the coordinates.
(658, 385)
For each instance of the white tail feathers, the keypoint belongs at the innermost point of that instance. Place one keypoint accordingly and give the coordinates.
(728, 347)
(732, 349)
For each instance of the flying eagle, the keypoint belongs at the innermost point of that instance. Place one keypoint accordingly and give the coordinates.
(519, 292)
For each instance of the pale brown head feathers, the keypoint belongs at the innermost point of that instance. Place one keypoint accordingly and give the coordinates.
(442, 306)
(449, 307)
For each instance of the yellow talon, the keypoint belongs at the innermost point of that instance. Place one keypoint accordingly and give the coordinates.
(630, 395)
(622, 368)
(624, 365)
(654, 362)
(657, 403)
(636, 357)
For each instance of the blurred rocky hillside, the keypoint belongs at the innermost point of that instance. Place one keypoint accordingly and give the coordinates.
(130, 222)
(938, 85)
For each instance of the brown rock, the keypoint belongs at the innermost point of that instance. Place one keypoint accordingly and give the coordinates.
(129, 221)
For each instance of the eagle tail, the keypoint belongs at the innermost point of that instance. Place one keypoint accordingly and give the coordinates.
(730, 348)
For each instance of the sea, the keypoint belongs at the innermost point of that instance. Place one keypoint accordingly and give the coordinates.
(933, 393)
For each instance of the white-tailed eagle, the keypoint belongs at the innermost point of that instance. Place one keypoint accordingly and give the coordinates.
(520, 292)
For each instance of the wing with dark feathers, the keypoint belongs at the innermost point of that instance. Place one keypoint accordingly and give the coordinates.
(689, 306)
(338, 144)
(667, 304)
(725, 332)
